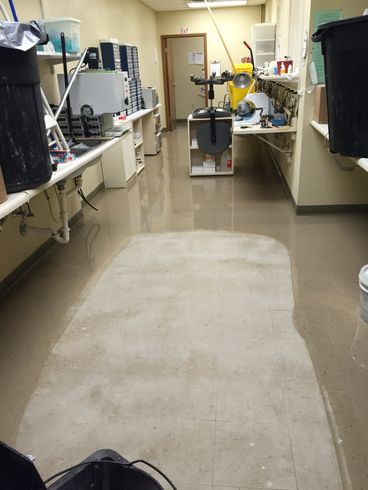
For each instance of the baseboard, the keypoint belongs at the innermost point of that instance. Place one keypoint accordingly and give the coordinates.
(305, 210)
(32, 260)
(331, 209)
(94, 192)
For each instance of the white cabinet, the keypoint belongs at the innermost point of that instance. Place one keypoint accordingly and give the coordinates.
(263, 43)
(138, 144)
(152, 136)
(119, 162)
(201, 164)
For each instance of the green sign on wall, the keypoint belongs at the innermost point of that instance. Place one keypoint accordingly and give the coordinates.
(322, 17)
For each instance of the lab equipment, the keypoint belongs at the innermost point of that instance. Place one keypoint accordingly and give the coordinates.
(110, 52)
(129, 60)
(98, 92)
(130, 64)
(213, 136)
(150, 97)
(254, 106)
(93, 58)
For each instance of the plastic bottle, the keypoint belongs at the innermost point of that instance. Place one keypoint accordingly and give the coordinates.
(282, 71)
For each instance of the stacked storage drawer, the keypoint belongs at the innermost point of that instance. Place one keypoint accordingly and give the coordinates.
(110, 52)
(130, 63)
(86, 126)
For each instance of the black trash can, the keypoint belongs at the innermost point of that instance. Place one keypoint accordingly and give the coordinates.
(103, 470)
(345, 51)
(24, 152)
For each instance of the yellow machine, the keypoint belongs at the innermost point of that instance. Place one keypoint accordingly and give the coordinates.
(242, 83)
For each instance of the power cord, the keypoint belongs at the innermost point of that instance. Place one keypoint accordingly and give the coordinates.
(55, 220)
(116, 463)
(81, 194)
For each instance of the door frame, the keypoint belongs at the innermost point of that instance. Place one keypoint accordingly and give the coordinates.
(164, 39)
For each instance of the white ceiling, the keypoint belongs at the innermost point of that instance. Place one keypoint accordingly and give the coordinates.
(166, 5)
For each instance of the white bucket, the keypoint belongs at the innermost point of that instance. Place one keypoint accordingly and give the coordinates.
(363, 284)
(70, 27)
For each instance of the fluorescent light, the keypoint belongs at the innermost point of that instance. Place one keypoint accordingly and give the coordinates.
(221, 3)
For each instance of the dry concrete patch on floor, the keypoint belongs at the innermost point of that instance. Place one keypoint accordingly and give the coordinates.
(185, 354)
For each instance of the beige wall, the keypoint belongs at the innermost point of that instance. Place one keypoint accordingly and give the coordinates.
(278, 12)
(321, 181)
(313, 177)
(235, 26)
(129, 21)
(298, 18)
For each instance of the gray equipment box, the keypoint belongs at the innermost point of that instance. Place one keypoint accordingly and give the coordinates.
(98, 92)
(150, 97)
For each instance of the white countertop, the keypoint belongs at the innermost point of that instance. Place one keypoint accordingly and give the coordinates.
(64, 171)
(240, 129)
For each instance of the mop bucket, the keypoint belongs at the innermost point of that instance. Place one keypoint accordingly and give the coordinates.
(103, 470)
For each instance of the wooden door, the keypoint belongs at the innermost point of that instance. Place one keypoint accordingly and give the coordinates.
(171, 109)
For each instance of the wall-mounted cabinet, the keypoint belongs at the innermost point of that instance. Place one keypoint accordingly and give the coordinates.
(263, 43)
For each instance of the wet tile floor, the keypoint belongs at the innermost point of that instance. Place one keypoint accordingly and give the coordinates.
(326, 253)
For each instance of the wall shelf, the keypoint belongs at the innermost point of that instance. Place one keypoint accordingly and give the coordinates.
(56, 58)
(323, 130)
(280, 78)
(64, 171)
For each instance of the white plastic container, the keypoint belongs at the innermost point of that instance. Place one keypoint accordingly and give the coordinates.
(70, 27)
(359, 347)
(363, 284)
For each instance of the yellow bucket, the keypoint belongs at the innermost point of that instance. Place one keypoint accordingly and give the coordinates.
(238, 94)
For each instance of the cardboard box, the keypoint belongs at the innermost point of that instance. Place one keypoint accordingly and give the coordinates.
(3, 194)
(320, 105)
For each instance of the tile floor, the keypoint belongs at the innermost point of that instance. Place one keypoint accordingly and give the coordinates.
(326, 253)
(207, 391)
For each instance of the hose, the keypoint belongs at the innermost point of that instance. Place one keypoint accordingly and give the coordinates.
(81, 194)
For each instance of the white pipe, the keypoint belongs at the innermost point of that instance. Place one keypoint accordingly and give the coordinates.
(63, 235)
(5, 13)
(219, 33)
(271, 144)
(43, 9)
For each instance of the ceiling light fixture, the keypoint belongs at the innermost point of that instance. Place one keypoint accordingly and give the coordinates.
(214, 4)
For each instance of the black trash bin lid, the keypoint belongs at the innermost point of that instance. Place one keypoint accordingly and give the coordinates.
(323, 29)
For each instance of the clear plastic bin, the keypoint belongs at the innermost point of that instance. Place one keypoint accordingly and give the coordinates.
(71, 29)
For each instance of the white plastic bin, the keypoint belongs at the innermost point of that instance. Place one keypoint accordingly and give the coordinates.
(70, 27)
(359, 347)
